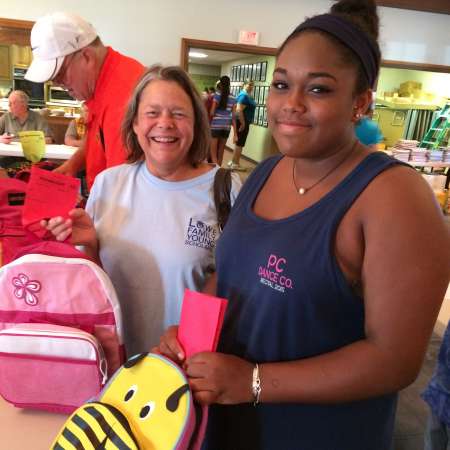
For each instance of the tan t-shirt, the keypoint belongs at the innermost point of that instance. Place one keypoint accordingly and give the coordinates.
(34, 122)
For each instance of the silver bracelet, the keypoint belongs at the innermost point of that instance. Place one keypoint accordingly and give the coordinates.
(256, 385)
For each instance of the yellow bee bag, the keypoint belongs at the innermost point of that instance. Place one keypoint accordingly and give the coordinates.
(147, 405)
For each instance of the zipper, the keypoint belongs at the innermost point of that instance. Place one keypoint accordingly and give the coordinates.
(75, 334)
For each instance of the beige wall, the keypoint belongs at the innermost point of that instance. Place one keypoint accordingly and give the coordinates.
(152, 30)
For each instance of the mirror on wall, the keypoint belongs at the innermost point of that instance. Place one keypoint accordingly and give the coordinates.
(207, 61)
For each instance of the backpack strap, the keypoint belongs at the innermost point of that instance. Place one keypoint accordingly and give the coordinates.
(222, 195)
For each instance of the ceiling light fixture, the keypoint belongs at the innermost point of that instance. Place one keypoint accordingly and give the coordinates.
(197, 55)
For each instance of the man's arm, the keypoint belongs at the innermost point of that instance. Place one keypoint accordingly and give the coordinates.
(76, 163)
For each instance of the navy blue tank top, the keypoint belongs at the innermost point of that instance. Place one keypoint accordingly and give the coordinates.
(288, 300)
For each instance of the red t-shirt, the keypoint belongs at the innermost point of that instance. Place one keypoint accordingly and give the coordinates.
(106, 110)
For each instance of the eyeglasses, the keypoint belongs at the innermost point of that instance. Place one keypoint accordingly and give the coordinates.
(61, 75)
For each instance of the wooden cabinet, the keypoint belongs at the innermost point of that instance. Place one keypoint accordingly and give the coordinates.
(21, 55)
(5, 63)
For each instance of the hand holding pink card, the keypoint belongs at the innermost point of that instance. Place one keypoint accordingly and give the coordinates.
(49, 194)
(201, 322)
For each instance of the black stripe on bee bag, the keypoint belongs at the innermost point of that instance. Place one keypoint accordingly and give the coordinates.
(112, 435)
(72, 439)
(87, 430)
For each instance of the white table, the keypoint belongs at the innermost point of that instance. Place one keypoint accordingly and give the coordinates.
(434, 164)
(52, 151)
(26, 429)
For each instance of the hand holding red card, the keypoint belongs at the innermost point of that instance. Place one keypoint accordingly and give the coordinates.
(49, 194)
(201, 322)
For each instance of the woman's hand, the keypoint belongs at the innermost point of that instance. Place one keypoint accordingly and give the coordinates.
(170, 347)
(79, 226)
(220, 378)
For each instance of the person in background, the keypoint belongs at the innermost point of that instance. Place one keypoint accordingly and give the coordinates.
(76, 131)
(152, 222)
(245, 112)
(68, 51)
(207, 96)
(21, 118)
(222, 114)
(437, 395)
(334, 261)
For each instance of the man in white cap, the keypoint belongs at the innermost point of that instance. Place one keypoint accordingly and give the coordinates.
(67, 50)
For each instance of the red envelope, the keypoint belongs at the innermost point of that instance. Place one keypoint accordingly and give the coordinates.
(49, 194)
(201, 322)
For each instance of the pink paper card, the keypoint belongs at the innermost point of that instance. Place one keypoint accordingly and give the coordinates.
(49, 194)
(201, 322)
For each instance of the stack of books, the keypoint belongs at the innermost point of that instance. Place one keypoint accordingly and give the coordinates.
(446, 155)
(419, 155)
(403, 148)
(435, 155)
(401, 154)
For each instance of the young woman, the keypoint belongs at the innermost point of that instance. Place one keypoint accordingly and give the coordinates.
(222, 114)
(152, 223)
(335, 261)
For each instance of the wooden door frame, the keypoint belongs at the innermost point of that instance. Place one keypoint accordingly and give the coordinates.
(187, 43)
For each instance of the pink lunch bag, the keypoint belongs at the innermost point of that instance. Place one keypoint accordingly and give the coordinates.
(60, 328)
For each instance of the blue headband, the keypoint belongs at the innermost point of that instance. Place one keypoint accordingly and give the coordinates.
(352, 37)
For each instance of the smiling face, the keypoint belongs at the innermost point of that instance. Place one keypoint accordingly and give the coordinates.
(311, 105)
(164, 127)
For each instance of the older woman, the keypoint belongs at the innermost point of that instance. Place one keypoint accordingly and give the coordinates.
(152, 222)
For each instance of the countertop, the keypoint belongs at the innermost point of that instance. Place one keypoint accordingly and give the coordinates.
(26, 429)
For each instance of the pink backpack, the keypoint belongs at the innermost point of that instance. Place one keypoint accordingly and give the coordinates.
(60, 328)
(12, 234)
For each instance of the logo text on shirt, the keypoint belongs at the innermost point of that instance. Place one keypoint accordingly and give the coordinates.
(199, 234)
(272, 274)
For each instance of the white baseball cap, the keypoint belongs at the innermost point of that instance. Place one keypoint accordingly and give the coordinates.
(52, 38)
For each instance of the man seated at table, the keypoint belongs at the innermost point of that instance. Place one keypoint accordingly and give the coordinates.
(21, 118)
